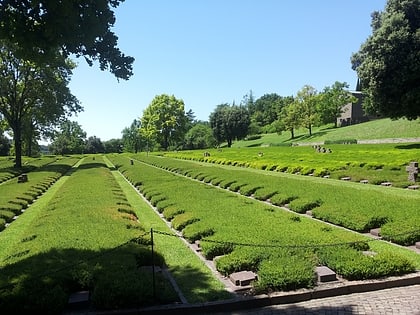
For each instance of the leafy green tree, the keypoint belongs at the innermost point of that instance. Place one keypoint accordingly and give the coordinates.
(69, 140)
(94, 145)
(306, 105)
(332, 100)
(33, 94)
(200, 137)
(4, 145)
(229, 123)
(165, 120)
(113, 146)
(131, 137)
(388, 62)
(267, 108)
(79, 27)
(289, 119)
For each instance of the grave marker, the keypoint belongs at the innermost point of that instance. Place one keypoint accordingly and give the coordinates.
(413, 170)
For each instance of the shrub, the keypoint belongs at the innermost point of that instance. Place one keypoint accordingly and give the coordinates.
(241, 259)
(170, 212)
(263, 193)
(286, 272)
(248, 190)
(211, 249)
(354, 265)
(196, 232)
(282, 199)
(180, 221)
(302, 205)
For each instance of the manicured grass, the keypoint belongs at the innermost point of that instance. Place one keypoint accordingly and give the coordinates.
(250, 233)
(376, 129)
(85, 238)
(375, 163)
(196, 281)
(356, 206)
(15, 197)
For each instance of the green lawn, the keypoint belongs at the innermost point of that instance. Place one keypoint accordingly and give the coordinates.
(376, 129)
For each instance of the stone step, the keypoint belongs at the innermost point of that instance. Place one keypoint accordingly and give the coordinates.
(325, 274)
(243, 278)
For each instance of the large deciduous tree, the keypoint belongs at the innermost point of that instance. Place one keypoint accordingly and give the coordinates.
(332, 100)
(306, 103)
(289, 119)
(131, 137)
(200, 136)
(81, 27)
(71, 139)
(165, 120)
(229, 123)
(388, 62)
(33, 94)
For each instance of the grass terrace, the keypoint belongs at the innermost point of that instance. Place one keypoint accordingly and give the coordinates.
(352, 205)
(16, 197)
(371, 162)
(282, 247)
(85, 237)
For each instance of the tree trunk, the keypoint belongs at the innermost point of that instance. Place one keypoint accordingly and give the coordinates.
(292, 131)
(310, 130)
(18, 147)
(229, 143)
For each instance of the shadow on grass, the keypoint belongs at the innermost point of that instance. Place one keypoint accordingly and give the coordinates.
(408, 146)
(116, 279)
(196, 285)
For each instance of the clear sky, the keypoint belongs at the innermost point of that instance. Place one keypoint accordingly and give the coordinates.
(209, 52)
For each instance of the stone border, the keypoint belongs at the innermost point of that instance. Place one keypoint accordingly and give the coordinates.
(250, 302)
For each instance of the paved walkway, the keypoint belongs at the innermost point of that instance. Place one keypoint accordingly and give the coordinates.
(401, 301)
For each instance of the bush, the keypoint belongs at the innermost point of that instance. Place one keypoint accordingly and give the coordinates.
(196, 232)
(286, 272)
(211, 249)
(302, 205)
(354, 265)
(170, 212)
(182, 220)
(241, 259)
(281, 199)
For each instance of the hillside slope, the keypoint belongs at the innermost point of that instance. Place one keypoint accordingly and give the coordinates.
(372, 130)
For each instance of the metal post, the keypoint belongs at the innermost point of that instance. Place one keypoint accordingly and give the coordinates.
(153, 264)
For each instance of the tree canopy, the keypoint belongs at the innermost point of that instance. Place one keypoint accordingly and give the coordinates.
(80, 27)
(32, 96)
(229, 123)
(164, 120)
(71, 139)
(388, 62)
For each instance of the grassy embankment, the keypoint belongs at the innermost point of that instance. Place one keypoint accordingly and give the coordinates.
(255, 236)
(82, 236)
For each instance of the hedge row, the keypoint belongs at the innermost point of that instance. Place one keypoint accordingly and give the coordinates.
(354, 206)
(249, 234)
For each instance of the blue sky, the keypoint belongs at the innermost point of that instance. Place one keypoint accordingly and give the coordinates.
(209, 52)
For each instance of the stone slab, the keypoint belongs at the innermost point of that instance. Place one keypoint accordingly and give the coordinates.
(345, 178)
(418, 245)
(376, 232)
(413, 187)
(386, 184)
(243, 278)
(364, 181)
(325, 274)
